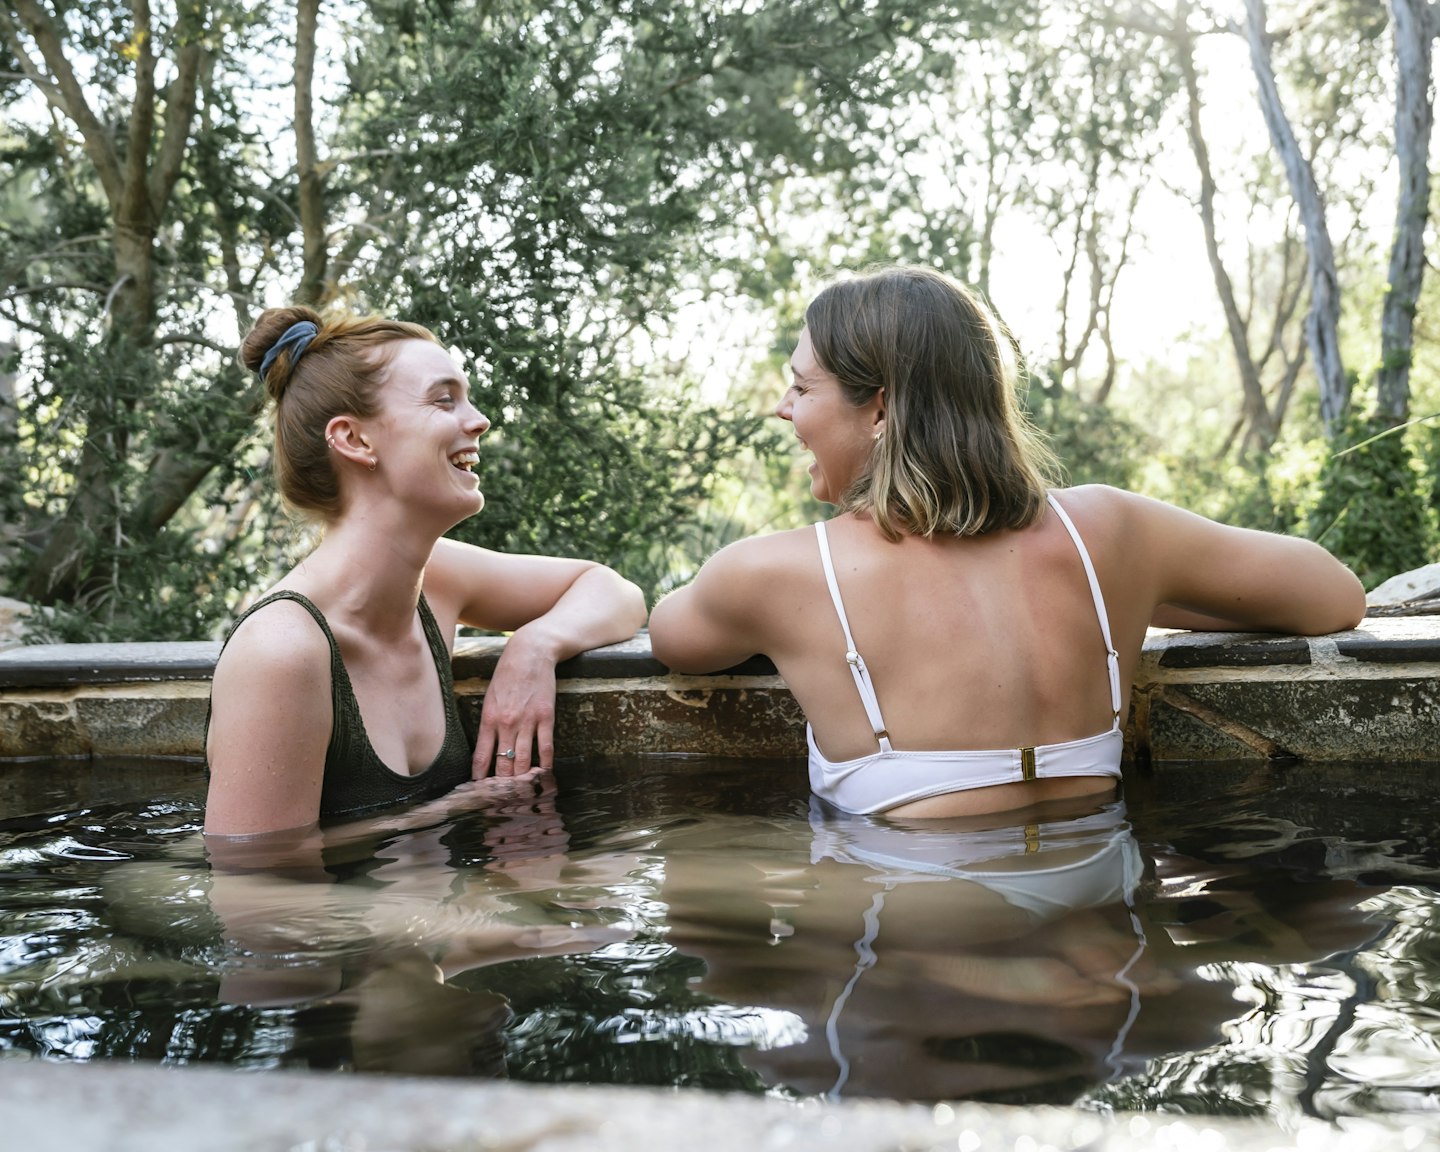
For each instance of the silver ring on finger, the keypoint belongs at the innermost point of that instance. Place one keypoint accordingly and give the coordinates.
(508, 754)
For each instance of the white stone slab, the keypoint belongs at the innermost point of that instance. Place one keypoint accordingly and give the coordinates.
(143, 1108)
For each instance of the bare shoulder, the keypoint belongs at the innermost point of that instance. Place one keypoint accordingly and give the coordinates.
(1101, 502)
(738, 600)
(1216, 575)
(270, 723)
(770, 563)
(1131, 516)
(1107, 518)
(455, 574)
(280, 642)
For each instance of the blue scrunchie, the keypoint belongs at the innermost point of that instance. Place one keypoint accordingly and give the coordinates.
(297, 338)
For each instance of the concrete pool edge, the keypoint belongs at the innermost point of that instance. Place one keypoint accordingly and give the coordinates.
(1369, 694)
(125, 1107)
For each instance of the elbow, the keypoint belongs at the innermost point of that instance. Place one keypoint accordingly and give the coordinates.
(676, 662)
(633, 608)
(622, 604)
(1343, 610)
(658, 634)
(666, 641)
(671, 656)
(1355, 607)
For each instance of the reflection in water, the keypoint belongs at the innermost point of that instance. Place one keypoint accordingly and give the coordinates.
(1242, 948)
(934, 960)
(415, 910)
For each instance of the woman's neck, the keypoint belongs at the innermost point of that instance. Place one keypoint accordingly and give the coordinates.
(366, 572)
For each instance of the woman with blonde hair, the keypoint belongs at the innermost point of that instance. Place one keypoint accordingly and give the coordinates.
(960, 636)
(333, 695)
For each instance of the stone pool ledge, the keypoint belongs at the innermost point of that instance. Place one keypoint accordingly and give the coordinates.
(1369, 694)
(139, 1108)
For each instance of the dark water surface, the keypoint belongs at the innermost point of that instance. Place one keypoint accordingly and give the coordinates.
(1230, 941)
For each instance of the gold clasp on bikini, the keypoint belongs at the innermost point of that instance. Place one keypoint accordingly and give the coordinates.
(1027, 763)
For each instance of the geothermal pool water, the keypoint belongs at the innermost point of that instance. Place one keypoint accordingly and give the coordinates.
(1231, 940)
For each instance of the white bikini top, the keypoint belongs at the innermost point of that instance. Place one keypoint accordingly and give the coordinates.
(889, 778)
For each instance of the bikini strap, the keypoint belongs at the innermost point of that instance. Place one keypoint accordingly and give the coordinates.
(852, 657)
(1112, 658)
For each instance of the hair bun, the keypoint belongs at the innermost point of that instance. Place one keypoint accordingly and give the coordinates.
(261, 340)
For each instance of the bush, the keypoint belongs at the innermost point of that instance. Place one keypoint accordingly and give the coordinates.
(1376, 505)
(1094, 443)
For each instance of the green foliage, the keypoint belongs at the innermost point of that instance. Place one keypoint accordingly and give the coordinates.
(1272, 493)
(1376, 509)
(1426, 439)
(543, 182)
(1095, 444)
(536, 181)
(175, 588)
(133, 583)
(539, 260)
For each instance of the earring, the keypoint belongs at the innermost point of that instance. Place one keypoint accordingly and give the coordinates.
(374, 463)
(878, 436)
(330, 440)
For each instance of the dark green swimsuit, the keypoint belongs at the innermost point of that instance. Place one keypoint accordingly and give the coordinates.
(356, 780)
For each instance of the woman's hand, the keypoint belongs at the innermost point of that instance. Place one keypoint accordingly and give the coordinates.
(517, 720)
(554, 609)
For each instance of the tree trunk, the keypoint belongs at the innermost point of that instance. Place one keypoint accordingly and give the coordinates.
(9, 459)
(59, 573)
(176, 470)
(1322, 323)
(311, 191)
(1414, 118)
(138, 188)
(1255, 412)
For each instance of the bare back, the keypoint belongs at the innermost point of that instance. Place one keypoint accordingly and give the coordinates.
(972, 643)
(985, 643)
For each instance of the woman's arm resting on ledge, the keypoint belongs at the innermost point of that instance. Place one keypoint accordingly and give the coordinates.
(710, 624)
(554, 608)
(1217, 578)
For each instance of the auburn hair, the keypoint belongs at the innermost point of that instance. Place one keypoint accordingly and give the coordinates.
(338, 373)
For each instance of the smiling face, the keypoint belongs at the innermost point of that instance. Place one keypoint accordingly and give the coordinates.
(426, 434)
(839, 434)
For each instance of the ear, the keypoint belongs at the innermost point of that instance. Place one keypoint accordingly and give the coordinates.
(345, 436)
(879, 412)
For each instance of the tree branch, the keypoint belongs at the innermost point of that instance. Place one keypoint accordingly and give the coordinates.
(202, 341)
(1414, 121)
(50, 286)
(1323, 322)
(177, 470)
(314, 242)
(180, 101)
(142, 120)
(64, 91)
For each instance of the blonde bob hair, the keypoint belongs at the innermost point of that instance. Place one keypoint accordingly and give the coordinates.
(957, 454)
(338, 373)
